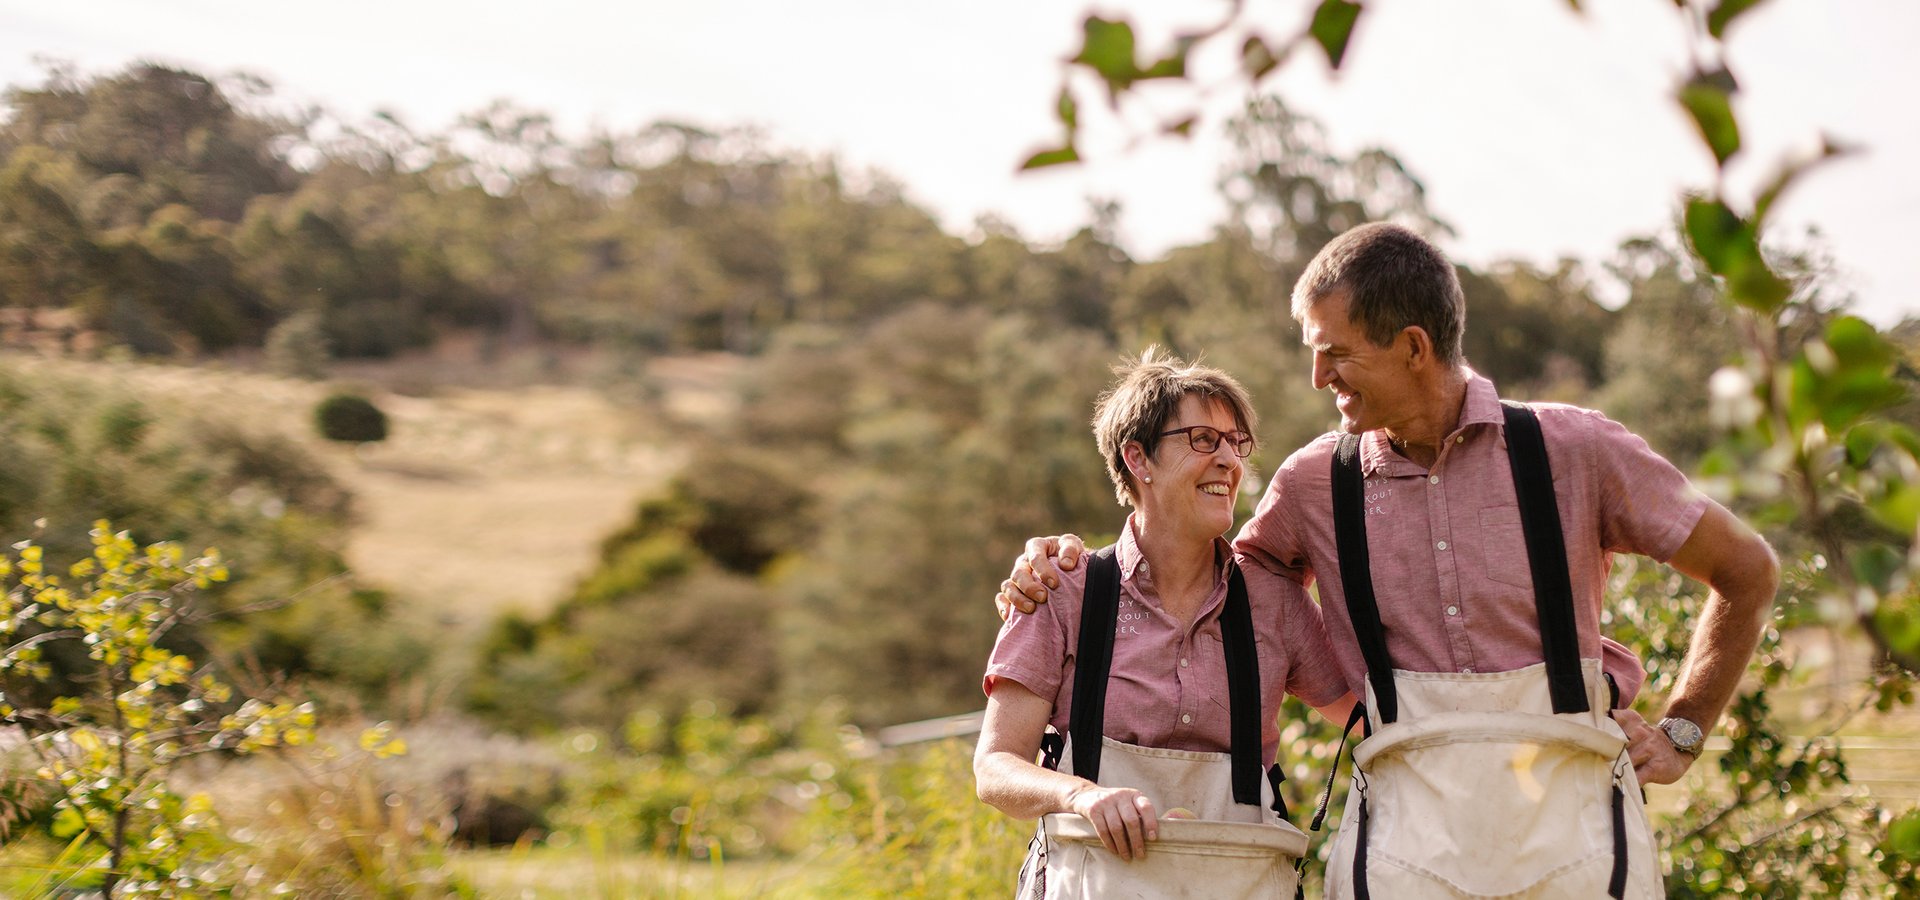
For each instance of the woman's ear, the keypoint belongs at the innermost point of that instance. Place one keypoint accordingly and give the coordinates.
(1136, 457)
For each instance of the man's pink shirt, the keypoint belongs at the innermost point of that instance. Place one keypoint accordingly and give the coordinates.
(1448, 557)
(1168, 682)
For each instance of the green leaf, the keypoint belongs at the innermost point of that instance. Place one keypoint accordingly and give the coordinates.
(1899, 510)
(1718, 234)
(1333, 26)
(1175, 63)
(1055, 157)
(1899, 625)
(1708, 98)
(1067, 110)
(1877, 564)
(1257, 59)
(1108, 50)
(1858, 344)
(1730, 247)
(1724, 14)
(66, 823)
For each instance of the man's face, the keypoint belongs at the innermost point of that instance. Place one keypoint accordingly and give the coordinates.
(1372, 385)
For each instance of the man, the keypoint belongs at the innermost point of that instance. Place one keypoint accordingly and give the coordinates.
(1383, 313)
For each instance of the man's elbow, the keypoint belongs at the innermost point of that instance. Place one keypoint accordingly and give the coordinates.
(1754, 579)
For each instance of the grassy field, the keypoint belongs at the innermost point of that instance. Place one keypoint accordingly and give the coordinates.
(527, 478)
(546, 873)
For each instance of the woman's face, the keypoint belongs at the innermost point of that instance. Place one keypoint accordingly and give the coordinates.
(1192, 492)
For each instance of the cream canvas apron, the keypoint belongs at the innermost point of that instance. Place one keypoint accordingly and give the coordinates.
(1511, 784)
(1229, 850)
(1467, 795)
(1240, 843)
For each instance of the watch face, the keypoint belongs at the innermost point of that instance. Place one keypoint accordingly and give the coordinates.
(1683, 733)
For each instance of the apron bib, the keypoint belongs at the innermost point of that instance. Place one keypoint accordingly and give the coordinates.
(1480, 790)
(1509, 784)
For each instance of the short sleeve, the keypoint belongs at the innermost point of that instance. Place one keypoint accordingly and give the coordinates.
(1269, 540)
(1313, 674)
(1646, 504)
(1034, 649)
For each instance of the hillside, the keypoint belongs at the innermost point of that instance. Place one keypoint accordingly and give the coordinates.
(482, 498)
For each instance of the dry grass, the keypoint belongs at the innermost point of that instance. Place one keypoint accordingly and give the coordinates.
(481, 499)
(563, 873)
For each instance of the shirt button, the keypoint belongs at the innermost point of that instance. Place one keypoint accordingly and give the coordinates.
(1442, 545)
(1433, 479)
(1453, 610)
(1458, 438)
(1186, 719)
(1183, 662)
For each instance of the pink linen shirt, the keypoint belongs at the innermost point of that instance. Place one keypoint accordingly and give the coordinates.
(1448, 556)
(1167, 686)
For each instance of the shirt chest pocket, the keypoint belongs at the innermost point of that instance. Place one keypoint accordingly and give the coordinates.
(1209, 651)
(1503, 546)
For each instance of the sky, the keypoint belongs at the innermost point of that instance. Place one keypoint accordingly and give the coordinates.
(1539, 133)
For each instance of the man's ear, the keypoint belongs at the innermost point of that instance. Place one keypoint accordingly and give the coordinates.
(1418, 347)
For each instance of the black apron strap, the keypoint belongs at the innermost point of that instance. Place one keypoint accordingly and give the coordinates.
(1099, 613)
(1360, 853)
(1547, 557)
(1617, 885)
(1356, 574)
(1243, 689)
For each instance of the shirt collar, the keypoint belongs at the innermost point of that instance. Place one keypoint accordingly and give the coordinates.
(1133, 561)
(1481, 407)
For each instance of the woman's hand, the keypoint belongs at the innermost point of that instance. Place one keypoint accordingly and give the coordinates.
(1123, 817)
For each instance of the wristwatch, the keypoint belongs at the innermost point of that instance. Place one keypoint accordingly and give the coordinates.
(1684, 733)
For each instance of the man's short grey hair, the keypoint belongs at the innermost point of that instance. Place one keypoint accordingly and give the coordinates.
(1392, 278)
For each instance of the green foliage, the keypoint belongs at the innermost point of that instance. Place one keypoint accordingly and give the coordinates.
(298, 347)
(77, 448)
(350, 418)
(676, 612)
(905, 835)
(709, 788)
(106, 746)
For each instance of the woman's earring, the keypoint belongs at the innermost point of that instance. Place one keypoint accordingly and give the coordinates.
(1148, 479)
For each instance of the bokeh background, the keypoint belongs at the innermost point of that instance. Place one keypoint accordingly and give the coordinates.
(614, 422)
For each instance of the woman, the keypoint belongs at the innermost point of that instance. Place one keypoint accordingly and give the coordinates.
(1174, 436)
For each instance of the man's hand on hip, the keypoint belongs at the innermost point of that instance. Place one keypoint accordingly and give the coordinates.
(1655, 759)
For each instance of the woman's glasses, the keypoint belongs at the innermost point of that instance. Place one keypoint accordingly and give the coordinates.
(1206, 439)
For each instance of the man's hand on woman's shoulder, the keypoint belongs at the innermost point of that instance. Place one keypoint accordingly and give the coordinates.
(1037, 571)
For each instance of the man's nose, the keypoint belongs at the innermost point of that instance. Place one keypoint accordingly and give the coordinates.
(1322, 371)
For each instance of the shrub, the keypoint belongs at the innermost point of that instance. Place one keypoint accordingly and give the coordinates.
(298, 347)
(350, 418)
(107, 745)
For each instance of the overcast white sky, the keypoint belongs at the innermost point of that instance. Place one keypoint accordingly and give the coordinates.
(1538, 133)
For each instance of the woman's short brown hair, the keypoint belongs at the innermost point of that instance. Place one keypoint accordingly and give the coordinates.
(1146, 393)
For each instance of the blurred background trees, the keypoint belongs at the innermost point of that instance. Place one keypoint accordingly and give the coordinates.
(908, 405)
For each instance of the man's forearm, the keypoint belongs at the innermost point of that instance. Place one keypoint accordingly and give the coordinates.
(1723, 644)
